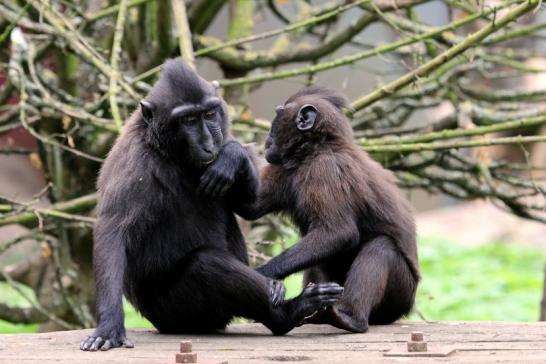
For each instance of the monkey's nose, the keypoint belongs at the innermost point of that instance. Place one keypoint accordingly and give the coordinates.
(207, 150)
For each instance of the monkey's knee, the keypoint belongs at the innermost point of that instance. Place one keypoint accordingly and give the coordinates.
(380, 287)
(399, 296)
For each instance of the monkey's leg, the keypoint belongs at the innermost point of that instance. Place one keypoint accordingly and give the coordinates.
(315, 275)
(379, 285)
(220, 284)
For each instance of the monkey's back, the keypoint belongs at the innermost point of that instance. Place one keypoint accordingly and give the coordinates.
(342, 181)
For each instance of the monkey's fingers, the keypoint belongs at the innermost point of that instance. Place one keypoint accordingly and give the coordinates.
(97, 344)
(222, 184)
(87, 343)
(127, 343)
(219, 185)
(277, 291)
(92, 343)
(107, 345)
(214, 183)
(317, 297)
(327, 293)
(221, 192)
(206, 180)
(83, 343)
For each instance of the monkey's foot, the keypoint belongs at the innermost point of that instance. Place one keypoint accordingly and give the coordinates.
(337, 318)
(94, 343)
(322, 316)
(276, 290)
(345, 321)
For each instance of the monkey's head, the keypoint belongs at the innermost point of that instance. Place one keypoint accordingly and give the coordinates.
(184, 117)
(307, 119)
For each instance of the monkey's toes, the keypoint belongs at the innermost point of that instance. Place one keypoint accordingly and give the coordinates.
(325, 289)
(277, 291)
(92, 343)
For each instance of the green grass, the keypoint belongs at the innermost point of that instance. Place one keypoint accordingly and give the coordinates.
(133, 318)
(495, 281)
(12, 297)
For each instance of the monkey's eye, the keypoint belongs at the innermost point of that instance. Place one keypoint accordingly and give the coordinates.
(210, 114)
(190, 119)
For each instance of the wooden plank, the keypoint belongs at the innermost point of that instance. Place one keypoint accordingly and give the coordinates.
(483, 342)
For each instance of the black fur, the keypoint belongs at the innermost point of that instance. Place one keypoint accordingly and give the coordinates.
(166, 235)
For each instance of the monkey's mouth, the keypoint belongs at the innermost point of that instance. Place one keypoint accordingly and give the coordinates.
(206, 163)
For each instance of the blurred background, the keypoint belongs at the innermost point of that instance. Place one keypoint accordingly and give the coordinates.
(449, 94)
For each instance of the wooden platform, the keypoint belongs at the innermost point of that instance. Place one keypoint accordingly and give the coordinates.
(475, 342)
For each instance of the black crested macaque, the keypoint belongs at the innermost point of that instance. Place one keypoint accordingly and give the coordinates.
(357, 229)
(166, 234)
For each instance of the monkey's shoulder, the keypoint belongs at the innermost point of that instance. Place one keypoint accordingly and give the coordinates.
(126, 156)
(133, 177)
(340, 180)
(333, 169)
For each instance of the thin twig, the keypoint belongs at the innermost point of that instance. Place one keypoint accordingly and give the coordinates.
(114, 62)
(419, 147)
(184, 33)
(320, 67)
(452, 52)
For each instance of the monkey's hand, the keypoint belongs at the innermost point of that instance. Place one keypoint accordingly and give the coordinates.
(103, 340)
(220, 174)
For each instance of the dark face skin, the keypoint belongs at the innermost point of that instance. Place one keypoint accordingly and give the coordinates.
(199, 126)
(271, 150)
(195, 130)
(301, 119)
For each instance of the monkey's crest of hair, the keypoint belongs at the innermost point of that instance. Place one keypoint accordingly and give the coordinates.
(333, 97)
(189, 87)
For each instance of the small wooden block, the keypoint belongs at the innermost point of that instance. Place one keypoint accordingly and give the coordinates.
(417, 346)
(185, 346)
(416, 336)
(433, 351)
(186, 358)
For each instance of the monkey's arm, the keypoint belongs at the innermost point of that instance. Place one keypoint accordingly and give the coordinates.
(268, 200)
(254, 210)
(247, 183)
(232, 164)
(110, 262)
(316, 246)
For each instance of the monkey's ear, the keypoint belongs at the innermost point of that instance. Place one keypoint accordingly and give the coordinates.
(147, 109)
(306, 117)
